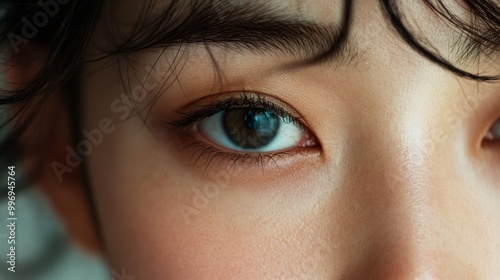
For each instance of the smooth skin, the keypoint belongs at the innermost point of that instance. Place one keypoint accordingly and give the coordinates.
(401, 183)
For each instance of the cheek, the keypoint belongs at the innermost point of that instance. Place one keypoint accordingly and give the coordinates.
(159, 219)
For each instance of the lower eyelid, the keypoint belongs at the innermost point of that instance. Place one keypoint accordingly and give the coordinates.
(205, 157)
(194, 151)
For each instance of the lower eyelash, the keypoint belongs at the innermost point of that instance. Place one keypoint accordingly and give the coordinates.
(205, 155)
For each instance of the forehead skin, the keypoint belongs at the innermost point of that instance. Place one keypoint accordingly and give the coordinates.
(401, 188)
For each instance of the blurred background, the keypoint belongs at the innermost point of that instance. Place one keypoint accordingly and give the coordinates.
(43, 250)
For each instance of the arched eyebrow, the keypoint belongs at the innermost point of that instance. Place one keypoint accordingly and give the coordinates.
(254, 27)
(259, 27)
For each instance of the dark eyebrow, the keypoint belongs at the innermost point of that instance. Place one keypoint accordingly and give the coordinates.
(253, 27)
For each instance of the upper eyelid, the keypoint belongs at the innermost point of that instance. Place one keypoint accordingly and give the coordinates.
(239, 100)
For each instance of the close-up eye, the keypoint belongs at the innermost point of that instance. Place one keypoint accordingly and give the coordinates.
(245, 139)
(494, 132)
(254, 130)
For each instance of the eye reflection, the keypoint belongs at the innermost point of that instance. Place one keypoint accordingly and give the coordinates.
(250, 128)
(253, 130)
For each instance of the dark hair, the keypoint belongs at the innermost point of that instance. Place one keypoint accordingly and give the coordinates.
(67, 34)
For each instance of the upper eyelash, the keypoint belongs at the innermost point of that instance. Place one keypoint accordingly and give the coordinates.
(242, 100)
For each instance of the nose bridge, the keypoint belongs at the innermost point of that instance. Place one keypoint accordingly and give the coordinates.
(399, 154)
(406, 187)
(404, 180)
(396, 197)
(401, 184)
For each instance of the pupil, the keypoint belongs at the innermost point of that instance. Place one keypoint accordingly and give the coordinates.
(251, 128)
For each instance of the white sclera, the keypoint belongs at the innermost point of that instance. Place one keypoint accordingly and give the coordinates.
(495, 130)
(288, 135)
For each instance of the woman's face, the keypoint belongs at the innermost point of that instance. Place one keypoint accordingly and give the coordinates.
(375, 163)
